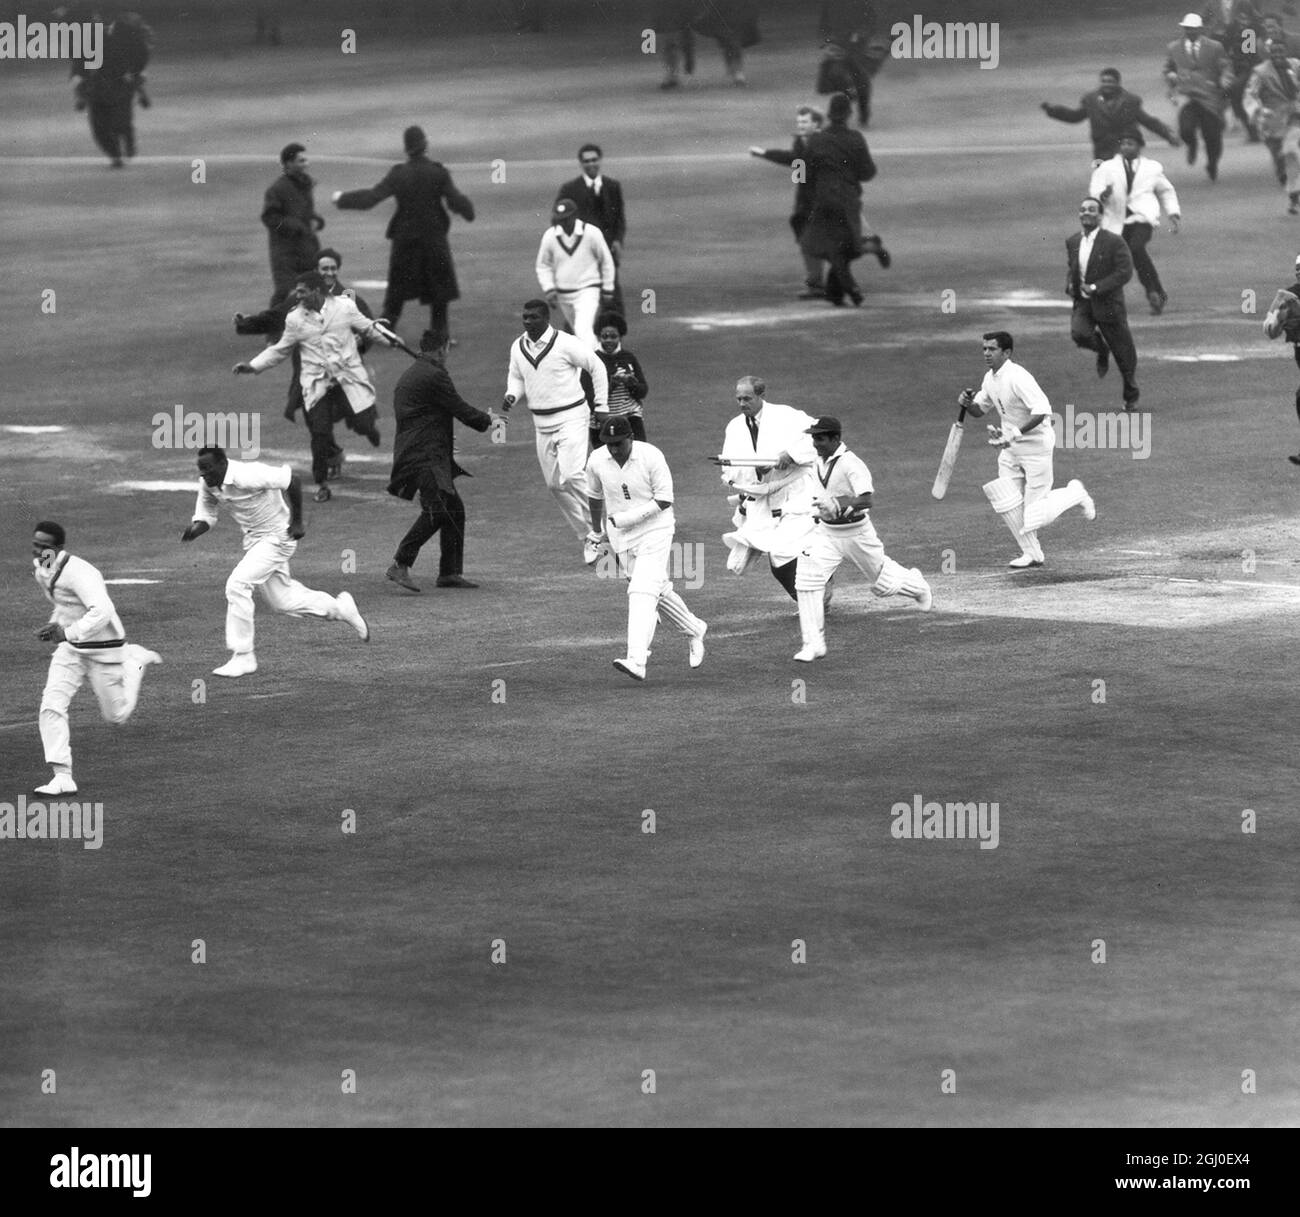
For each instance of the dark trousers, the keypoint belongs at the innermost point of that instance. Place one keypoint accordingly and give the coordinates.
(1194, 117)
(839, 277)
(320, 423)
(638, 430)
(438, 323)
(1111, 333)
(111, 122)
(1136, 237)
(1296, 349)
(442, 512)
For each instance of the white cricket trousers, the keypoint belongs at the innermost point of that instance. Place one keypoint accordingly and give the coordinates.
(115, 675)
(827, 547)
(579, 309)
(650, 593)
(265, 565)
(562, 450)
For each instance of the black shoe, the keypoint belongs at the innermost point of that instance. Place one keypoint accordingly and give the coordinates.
(1131, 400)
(401, 575)
(1295, 460)
(812, 293)
(1157, 301)
(882, 256)
(1213, 171)
(837, 301)
(454, 581)
(373, 437)
(1103, 362)
(671, 84)
(323, 494)
(1191, 152)
(856, 297)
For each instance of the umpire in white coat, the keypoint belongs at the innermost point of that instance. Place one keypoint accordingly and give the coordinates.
(774, 502)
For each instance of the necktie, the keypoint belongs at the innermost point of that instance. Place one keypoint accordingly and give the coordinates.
(1194, 55)
(595, 186)
(752, 424)
(1128, 173)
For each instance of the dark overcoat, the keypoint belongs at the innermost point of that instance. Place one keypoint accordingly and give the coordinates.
(419, 264)
(425, 403)
(838, 163)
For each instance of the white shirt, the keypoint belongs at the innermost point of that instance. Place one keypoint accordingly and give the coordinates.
(328, 349)
(82, 605)
(252, 492)
(1086, 242)
(574, 263)
(843, 475)
(643, 478)
(595, 183)
(1015, 394)
(547, 374)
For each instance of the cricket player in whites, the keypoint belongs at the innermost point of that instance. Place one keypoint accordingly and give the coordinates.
(1022, 492)
(266, 501)
(844, 530)
(631, 491)
(91, 642)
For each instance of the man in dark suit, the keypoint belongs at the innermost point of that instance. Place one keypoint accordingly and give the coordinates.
(1199, 68)
(425, 402)
(420, 262)
(600, 204)
(1098, 264)
(1110, 111)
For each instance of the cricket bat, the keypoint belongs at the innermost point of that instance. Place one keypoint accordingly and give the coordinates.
(955, 432)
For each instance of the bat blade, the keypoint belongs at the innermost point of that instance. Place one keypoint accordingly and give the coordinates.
(940, 487)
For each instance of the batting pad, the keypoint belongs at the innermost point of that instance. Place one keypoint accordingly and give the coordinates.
(1041, 512)
(641, 622)
(1003, 495)
(673, 608)
(895, 580)
(812, 618)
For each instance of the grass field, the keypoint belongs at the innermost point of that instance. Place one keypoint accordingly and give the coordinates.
(514, 811)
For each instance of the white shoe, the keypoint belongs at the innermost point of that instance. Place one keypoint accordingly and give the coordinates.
(1087, 506)
(635, 670)
(808, 654)
(349, 612)
(1024, 561)
(242, 664)
(926, 599)
(590, 553)
(60, 783)
(696, 646)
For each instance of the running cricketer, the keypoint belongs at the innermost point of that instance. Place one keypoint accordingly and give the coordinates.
(1022, 492)
(844, 530)
(546, 375)
(266, 501)
(91, 643)
(631, 493)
